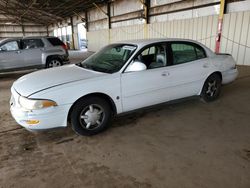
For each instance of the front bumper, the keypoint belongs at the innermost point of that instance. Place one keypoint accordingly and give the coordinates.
(48, 118)
(229, 76)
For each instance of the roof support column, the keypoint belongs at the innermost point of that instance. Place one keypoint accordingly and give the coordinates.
(47, 29)
(108, 17)
(72, 31)
(86, 21)
(146, 7)
(109, 20)
(23, 30)
(220, 22)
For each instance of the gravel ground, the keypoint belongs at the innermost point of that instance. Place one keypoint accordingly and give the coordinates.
(186, 144)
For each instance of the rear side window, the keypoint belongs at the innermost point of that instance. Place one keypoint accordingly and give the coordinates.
(32, 43)
(186, 52)
(55, 41)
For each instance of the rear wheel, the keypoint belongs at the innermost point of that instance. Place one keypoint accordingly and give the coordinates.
(53, 62)
(90, 116)
(211, 89)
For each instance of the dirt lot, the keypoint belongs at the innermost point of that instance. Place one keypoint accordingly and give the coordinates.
(187, 144)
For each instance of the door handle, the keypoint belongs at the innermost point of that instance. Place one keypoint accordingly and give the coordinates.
(165, 74)
(18, 52)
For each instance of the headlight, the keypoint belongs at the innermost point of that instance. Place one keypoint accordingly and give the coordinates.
(34, 104)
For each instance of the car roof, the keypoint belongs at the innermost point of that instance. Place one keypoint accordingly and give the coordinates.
(38, 37)
(28, 37)
(143, 42)
(8, 39)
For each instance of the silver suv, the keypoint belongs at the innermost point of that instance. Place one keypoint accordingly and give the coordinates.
(32, 52)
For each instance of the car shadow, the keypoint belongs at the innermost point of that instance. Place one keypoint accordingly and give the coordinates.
(131, 118)
(14, 75)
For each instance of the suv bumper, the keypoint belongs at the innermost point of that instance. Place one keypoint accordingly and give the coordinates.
(65, 59)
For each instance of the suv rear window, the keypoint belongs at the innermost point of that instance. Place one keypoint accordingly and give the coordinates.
(55, 41)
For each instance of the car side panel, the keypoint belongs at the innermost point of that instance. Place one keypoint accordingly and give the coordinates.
(187, 79)
(32, 57)
(144, 88)
(52, 51)
(227, 66)
(109, 85)
(10, 60)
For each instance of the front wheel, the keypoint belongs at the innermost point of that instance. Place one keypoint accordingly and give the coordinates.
(90, 116)
(211, 89)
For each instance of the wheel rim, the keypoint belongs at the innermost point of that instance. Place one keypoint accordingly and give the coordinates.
(212, 88)
(92, 116)
(54, 63)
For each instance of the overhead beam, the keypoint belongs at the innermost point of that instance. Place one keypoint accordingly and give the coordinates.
(99, 8)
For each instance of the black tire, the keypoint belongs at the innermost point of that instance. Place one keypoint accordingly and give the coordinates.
(53, 62)
(211, 88)
(81, 115)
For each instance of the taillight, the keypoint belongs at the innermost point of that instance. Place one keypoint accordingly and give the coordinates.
(64, 47)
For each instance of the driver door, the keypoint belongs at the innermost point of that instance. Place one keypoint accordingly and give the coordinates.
(148, 87)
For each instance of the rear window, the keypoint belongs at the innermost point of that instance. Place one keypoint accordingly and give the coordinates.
(55, 41)
(184, 52)
(32, 43)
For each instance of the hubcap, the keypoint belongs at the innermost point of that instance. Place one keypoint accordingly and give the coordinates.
(212, 88)
(54, 63)
(92, 116)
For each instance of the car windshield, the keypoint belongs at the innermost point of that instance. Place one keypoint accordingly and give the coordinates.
(110, 59)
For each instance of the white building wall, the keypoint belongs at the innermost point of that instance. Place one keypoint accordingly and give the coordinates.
(9, 31)
(235, 35)
(198, 24)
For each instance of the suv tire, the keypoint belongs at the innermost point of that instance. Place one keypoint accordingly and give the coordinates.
(53, 62)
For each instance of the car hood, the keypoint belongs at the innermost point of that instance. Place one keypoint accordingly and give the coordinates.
(48, 78)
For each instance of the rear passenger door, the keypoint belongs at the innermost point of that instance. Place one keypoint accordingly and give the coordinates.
(32, 50)
(187, 69)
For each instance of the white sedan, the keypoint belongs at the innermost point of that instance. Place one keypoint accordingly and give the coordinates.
(121, 77)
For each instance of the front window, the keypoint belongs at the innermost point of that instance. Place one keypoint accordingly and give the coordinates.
(154, 56)
(110, 59)
(10, 46)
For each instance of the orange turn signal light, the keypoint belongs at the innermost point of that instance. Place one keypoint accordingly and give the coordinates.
(32, 122)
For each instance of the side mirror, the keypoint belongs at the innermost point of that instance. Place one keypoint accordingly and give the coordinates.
(136, 66)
